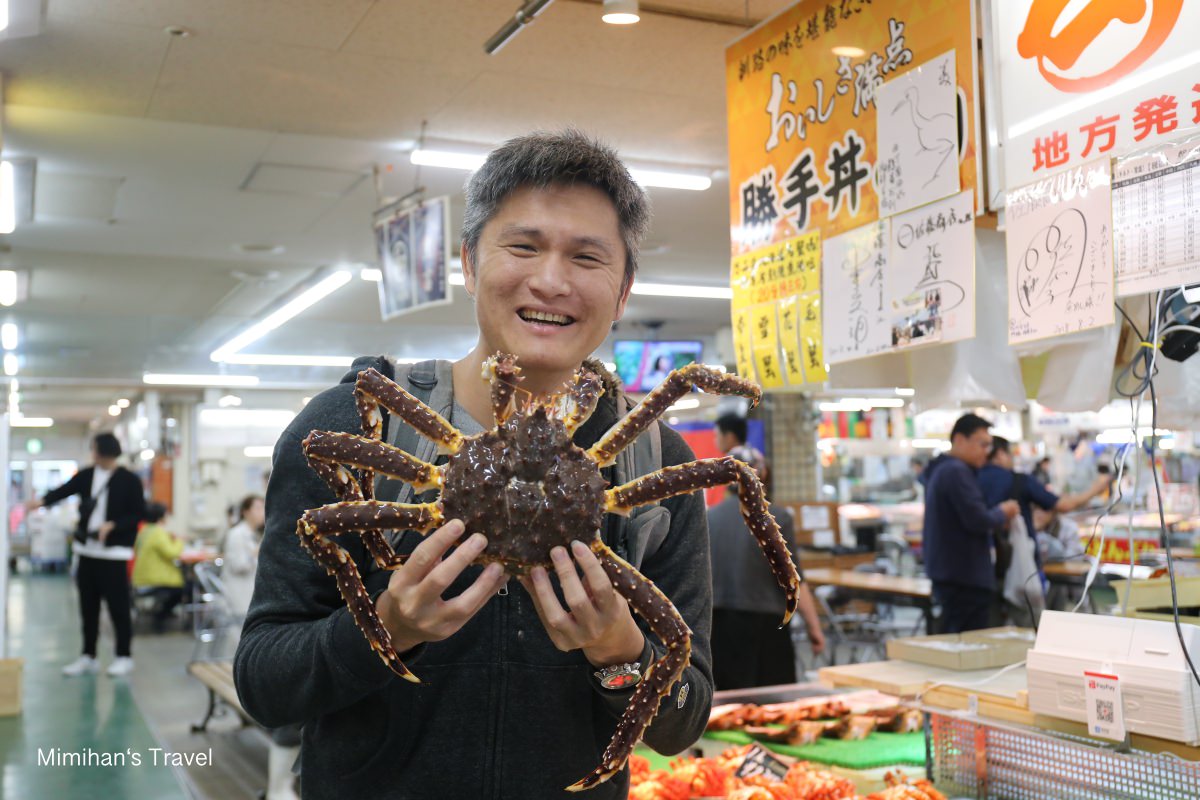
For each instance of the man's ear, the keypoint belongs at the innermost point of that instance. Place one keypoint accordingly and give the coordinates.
(468, 269)
(620, 310)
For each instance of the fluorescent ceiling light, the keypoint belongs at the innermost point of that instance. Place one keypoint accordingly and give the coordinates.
(258, 451)
(8, 287)
(620, 12)
(3, 15)
(114, 410)
(10, 364)
(169, 379)
(122, 403)
(8, 187)
(18, 421)
(682, 290)
(246, 417)
(685, 403)
(905, 392)
(849, 51)
(268, 360)
(302, 301)
(659, 178)
(1125, 435)
(229, 400)
(371, 274)
(1100, 96)
(9, 335)
(861, 404)
(147, 454)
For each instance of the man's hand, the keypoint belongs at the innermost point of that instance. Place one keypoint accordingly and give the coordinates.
(105, 529)
(1101, 484)
(1010, 508)
(816, 639)
(412, 608)
(596, 620)
(33, 503)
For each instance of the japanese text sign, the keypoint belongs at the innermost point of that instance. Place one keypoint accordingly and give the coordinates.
(801, 96)
(1083, 80)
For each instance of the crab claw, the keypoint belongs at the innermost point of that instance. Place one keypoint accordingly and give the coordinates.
(593, 779)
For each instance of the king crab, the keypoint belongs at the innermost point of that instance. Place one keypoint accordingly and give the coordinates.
(528, 488)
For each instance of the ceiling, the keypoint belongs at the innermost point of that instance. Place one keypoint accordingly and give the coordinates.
(158, 156)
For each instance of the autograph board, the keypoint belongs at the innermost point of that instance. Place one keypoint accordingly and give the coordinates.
(1060, 254)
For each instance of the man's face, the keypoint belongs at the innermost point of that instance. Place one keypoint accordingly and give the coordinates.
(725, 441)
(547, 282)
(973, 449)
(1003, 459)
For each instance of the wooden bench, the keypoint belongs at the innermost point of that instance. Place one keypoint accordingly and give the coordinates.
(217, 677)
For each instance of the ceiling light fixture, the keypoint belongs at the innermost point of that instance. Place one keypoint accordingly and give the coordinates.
(685, 403)
(11, 365)
(8, 287)
(247, 417)
(8, 198)
(122, 403)
(305, 299)
(258, 451)
(266, 360)
(18, 421)
(620, 12)
(114, 410)
(229, 400)
(523, 16)
(9, 335)
(849, 51)
(682, 290)
(172, 379)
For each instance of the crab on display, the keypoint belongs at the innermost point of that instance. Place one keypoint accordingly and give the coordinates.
(527, 487)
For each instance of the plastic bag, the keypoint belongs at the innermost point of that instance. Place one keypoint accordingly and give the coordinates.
(1022, 583)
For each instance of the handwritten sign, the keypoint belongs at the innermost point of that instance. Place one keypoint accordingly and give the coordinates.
(1156, 218)
(1060, 254)
(931, 272)
(811, 342)
(765, 336)
(917, 132)
(743, 346)
(789, 340)
(856, 316)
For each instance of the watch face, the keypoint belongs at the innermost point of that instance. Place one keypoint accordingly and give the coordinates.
(620, 680)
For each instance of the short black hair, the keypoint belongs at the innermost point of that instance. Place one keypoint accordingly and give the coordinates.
(967, 424)
(155, 512)
(732, 423)
(107, 445)
(247, 501)
(999, 445)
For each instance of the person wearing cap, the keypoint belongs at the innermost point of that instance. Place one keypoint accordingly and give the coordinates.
(749, 647)
(112, 504)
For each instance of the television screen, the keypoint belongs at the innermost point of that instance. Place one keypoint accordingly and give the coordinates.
(643, 365)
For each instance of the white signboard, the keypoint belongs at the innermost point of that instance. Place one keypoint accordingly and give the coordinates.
(1059, 246)
(931, 272)
(1156, 218)
(414, 257)
(1079, 80)
(855, 316)
(917, 132)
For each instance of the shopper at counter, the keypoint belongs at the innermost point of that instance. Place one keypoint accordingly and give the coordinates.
(240, 553)
(749, 648)
(112, 503)
(155, 567)
(509, 705)
(957, 539)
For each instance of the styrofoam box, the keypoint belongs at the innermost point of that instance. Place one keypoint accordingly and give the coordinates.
(1159, 695)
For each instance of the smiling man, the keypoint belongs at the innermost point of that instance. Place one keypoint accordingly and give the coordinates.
(522, 683)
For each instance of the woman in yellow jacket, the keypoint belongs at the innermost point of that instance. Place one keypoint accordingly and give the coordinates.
(155, 567)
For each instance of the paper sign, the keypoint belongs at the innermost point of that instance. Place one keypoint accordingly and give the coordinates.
(813, 518)
(810, 338)
(1102, 695)
(917, 131)
(823, 538)
(760, 761)
(742, 345)
(1156, 218)
(414, 254)
(1060, 260)
(789, 340)
(931, 272)
(765, 337)
(856, 317)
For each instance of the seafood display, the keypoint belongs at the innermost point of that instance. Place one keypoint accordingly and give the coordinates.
(527, 487)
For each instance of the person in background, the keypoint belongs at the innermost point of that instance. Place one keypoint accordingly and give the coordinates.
(155, 566)
(958, 527)
(112, 503)
(730, 431)
(748, 645)
(241, 554)
(1041, 471)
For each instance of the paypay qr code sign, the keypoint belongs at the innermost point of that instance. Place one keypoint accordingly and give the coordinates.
(1102, 695)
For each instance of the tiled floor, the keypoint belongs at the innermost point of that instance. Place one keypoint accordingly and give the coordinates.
(152, 708)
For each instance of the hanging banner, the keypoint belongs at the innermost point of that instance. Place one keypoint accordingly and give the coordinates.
(413, 244)
(1081, 80)
(1060, 254)
(802, 91)
(854, 267)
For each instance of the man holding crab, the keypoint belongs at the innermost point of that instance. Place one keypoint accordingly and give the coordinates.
(522, 682)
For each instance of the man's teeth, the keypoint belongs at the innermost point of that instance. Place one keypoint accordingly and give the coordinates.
(542, 316)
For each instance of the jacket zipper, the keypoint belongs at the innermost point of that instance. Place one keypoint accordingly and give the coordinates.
(500, 651)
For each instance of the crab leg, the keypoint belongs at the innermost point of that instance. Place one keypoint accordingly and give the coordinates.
(677, 384)
(317, 526)
(694, 475)
(373, 389)
(581, 398)
(666, 623)
(504, 374)
(371, 455)
(347, 489)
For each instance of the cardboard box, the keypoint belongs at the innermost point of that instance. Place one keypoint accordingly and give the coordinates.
(10, 686)
(1151, 599)
(993, 647)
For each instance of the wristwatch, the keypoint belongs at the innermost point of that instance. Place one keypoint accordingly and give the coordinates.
(620, 676)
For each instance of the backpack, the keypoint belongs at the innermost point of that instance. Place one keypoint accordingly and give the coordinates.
(633, 538)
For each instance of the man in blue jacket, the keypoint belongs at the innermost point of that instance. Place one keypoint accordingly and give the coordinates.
(958, 530)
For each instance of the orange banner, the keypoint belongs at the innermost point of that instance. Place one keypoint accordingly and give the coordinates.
(801, 92)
